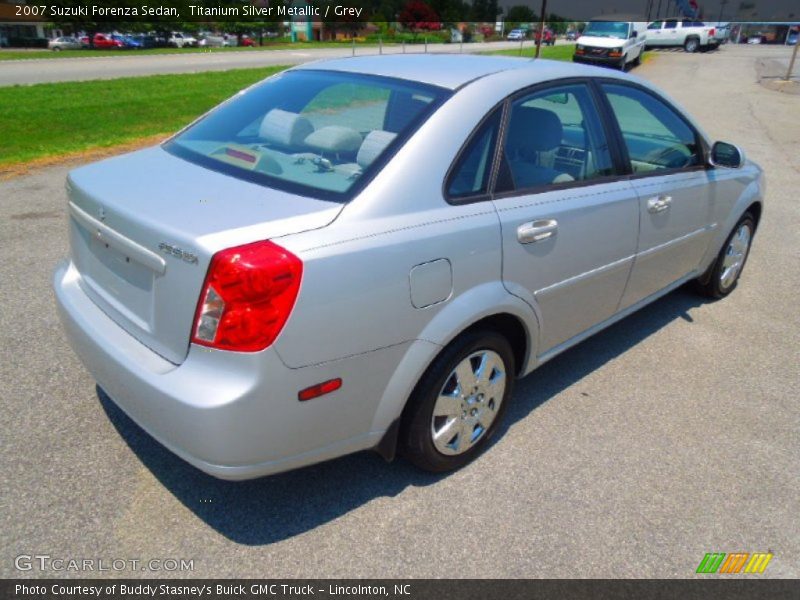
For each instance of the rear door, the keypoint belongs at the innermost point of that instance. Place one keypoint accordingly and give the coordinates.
(666, 159)
(671, 33)
(569, 226)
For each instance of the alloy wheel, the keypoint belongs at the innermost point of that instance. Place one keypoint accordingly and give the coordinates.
(468, 402)
(735, 255)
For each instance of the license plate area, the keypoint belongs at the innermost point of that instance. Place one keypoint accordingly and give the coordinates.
(118, 280)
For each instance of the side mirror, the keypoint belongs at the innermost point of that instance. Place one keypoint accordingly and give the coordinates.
(634, 34)
(726, 155)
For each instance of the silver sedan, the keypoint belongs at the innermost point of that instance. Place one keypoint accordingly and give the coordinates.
(366, 253)
(64, 43)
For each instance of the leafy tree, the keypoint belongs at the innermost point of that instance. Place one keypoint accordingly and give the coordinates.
(518, 15)
(417, 16)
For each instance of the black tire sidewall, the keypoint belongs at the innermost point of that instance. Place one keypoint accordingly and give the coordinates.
(416, 440)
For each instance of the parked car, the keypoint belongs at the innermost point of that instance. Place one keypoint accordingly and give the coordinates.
(756, 39)
(102, 41)
(516, 35)
(791, 38)
(612, 43)
(211, 41)
(64, 43)
(549, 38)
(302, 274)
(572, 35)
(248, 42)
(128, 42)
(691, 35)
(181, 40)
(146, 40)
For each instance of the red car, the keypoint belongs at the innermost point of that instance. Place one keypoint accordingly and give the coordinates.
(101, 40)
(248, 41)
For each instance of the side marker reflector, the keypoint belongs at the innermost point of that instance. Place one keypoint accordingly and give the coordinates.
(315, 391)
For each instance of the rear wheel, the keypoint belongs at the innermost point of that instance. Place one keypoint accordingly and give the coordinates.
(691, 45)
(723, 275)
(459, 402)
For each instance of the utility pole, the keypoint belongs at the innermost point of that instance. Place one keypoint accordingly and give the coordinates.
(541, 29)
(791, 61)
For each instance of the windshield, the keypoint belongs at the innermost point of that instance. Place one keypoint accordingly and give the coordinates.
(317, 133)
(613, 29)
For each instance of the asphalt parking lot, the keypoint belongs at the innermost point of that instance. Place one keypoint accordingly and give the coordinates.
(672, 434)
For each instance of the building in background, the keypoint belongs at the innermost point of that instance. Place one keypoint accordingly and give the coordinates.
(23, 30)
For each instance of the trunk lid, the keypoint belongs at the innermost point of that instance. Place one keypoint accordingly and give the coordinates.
(143, 229)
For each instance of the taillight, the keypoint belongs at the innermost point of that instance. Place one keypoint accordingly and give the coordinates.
(247, 297)
(711, 32)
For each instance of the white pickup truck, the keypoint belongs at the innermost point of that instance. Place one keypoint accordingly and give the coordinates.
(692, 35)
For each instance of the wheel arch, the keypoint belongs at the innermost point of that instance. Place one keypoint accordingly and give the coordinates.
(751, 199)
(501, 311)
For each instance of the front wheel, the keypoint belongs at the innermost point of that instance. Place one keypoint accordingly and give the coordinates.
(723, 275)
(459, 402)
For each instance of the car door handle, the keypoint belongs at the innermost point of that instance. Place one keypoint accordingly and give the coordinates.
(536, 231)
(658, 204)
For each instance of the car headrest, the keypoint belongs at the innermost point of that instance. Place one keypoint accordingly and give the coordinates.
(334, 138)
(375, 143)
(284, 128)
(534, 128)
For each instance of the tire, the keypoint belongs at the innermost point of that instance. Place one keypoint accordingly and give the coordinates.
(478, 409)
(638, 60)
(723, 275)
(691, 45)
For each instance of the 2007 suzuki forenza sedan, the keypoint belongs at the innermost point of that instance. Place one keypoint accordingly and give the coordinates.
(365, 253)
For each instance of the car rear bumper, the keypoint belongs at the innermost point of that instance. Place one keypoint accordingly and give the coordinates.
(232, 415)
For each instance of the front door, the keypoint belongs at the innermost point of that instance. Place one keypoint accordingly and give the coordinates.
(569, 226)
(670, 178)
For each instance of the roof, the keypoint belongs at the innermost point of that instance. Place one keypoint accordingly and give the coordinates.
(445, 70)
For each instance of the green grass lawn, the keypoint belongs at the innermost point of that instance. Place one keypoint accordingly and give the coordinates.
(54, 119)
(529, 50)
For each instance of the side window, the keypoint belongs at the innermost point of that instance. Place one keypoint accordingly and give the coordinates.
(655, 136)
(470, 175)
(654, 25)
(670, 24)
(554, 136)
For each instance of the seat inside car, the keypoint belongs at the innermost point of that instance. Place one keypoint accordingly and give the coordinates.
(533, 135)
(374, 144)
(284, 129)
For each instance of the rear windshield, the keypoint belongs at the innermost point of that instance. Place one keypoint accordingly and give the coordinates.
(317, 133)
